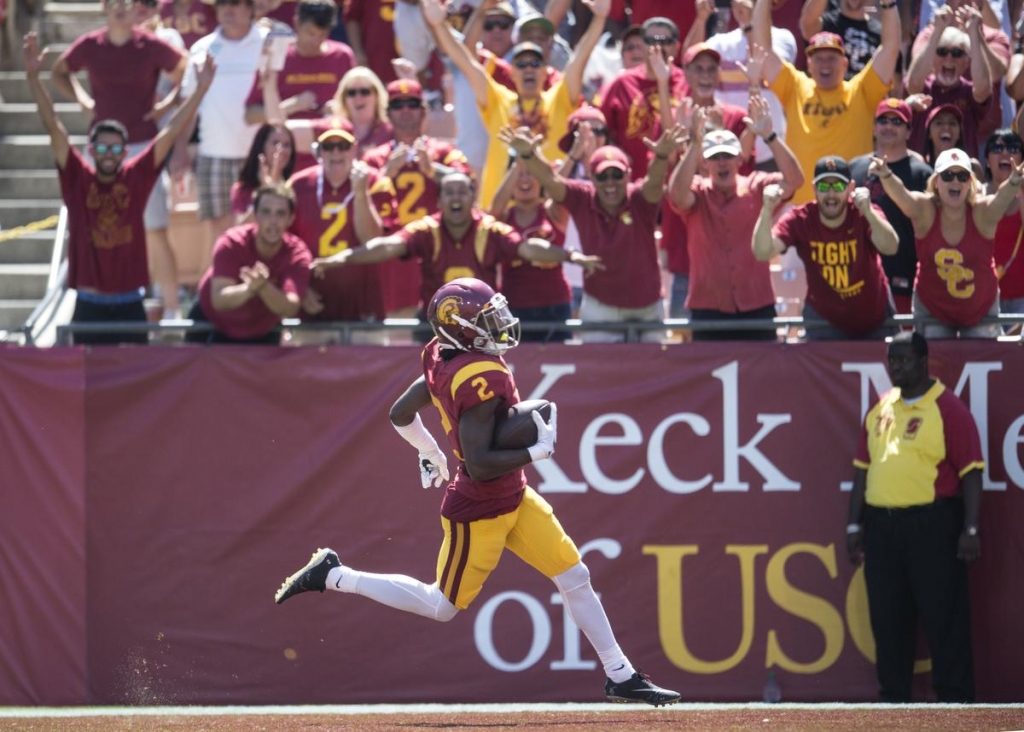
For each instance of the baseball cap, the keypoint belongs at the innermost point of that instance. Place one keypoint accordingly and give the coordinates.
(405, 89)
(502, 8)
(583, 114)
(661, 20)
(533, 19)
(831, 166)
(527, 47)
(936, 111)
(608, 156)
(337, 133)
(721, 141)
(696, 50)
(633, 30)
(952, 158)
(894, 106)
(824, 40)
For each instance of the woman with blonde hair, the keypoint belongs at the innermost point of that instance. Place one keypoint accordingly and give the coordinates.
(359, 106)
(954, 224)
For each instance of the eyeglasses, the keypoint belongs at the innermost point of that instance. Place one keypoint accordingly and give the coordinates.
(948, 175)
(613, 173)
(397, 104)
(330, 145)
(102, 148)
(533, 63)
(894, 121)
(503, 24)
(1000, 147)
(659, 40)
(362, 91)
(824, 186)
(954, 52)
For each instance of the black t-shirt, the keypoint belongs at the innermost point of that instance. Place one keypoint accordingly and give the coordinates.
(861, 38)
(901, 267)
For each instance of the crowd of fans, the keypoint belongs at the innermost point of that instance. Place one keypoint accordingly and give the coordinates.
(615, 161)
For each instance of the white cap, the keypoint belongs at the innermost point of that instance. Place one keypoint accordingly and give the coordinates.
(953, 158)
(721, 141)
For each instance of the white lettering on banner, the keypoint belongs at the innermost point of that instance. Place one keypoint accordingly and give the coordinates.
(656, 454)
(591, 439)
(979, 409)
(552, 479)
(484, 636)
(572, 660)
(1014, 470)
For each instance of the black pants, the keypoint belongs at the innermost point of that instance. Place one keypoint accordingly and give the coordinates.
(716, 316)
(91, 312)
(273, 338)
(912, 571)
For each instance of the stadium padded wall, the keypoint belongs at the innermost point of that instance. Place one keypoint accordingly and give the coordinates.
(153, 499)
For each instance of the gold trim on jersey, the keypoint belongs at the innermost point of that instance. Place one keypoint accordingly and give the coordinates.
(474, 369)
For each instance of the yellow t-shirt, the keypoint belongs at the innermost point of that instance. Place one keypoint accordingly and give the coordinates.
(548, 116)
(835, 122)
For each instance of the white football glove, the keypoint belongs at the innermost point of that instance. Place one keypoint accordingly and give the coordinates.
(433, 468)
(547, 433)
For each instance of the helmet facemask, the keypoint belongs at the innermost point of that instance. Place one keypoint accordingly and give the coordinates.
(494, 329)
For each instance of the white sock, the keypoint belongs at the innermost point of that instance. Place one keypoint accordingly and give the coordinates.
(586, 611)
(394, 590)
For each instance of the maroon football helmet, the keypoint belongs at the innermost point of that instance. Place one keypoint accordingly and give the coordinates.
(468, 315)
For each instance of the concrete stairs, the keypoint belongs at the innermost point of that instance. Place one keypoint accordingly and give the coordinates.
(29, 188)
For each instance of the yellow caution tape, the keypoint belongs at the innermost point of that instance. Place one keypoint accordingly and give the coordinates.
(48, 223)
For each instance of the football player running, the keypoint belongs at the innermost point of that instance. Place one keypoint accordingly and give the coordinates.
(487, 507)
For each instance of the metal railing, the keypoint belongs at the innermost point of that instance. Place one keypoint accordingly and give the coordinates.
(55, 282)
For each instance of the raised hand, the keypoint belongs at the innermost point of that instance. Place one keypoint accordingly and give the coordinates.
(919, 102)
(520, 140)
(771, 197)
(661, 67)
(970, 16)
(704, 9)
(435, 12)
(754, 68)
(862, 199)
(600, 8)
(670, 141)
(943, 18)
(759, 120)
(206, 72)
(404, 68)
(31, 55)
(879, 167)
(360, 175)
(422, 157)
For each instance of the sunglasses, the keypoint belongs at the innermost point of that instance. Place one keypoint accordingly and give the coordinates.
(102, 148)
(330, 145)
(824, 186)
(229, 2)
(533, 63)
(894, 121)
(503, 24)
(613, 173)
(948, 175)
(659, 40)
(1000, 147)
(405, 104)
(954, 52)
(362, 91)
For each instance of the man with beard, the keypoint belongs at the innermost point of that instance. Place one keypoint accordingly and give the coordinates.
(949, 53)
(259, 274)
(107, 260)
(719, 208)
(458, 241)
(415, 164)
(892, 130)
(616, 220)
(860, 31)
(846, 286)
(826, 114)
(340, 204)
(545, 112)
(913, 521)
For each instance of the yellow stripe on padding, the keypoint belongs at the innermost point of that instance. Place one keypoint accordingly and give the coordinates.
(474, 369)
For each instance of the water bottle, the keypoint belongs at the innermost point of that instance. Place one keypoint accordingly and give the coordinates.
(772, 690)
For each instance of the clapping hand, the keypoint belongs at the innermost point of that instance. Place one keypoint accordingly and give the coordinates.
(520, 140)
(759, 120)
(254, 277)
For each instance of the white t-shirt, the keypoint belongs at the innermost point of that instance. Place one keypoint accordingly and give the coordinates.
(734, 85)
(223, 132)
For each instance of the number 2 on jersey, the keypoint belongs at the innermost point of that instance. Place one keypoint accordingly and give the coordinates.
(328, 245)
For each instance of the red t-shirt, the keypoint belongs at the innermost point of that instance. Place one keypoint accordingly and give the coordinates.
(631, 109)
(486, 244)
(535, 284)
(326, 223)
(241, 198)
(376, 19)
(197, 20)
(724, 275)
(846, 284)
(126, 97)
(106, 234)
(624, 241)
(318, 74)
(416, 197)
(236, 248)
(457, 385)
(958, 284)
(1009, 254)
(673, 242)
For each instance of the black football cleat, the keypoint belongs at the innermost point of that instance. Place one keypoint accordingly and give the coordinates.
(639, 689)
(311, 577)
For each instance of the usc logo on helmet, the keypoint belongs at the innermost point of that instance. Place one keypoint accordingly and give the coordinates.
(448, 310)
